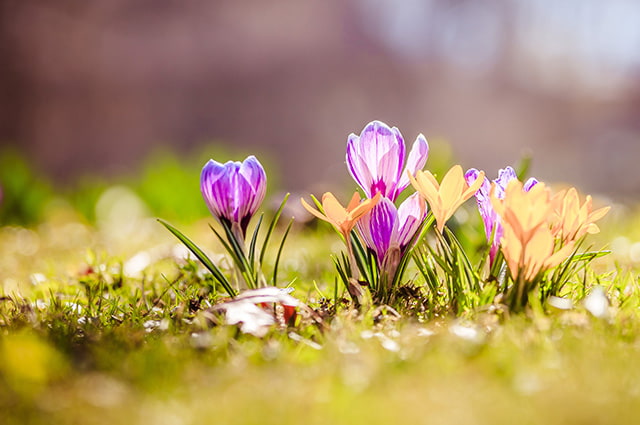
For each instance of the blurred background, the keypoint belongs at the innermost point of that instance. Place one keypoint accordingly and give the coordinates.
(95, 88)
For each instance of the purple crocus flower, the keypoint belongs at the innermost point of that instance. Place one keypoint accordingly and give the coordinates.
(376, 159)
(386, 227)
(233, 191)
(490, 218)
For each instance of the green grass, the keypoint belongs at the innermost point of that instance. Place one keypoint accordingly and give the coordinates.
(88, 337)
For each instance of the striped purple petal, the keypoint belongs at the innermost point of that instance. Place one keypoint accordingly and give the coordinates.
(386, 226)
(411, 214)
(505, 175)
(529, 184)
(253, 174)
(379, 227)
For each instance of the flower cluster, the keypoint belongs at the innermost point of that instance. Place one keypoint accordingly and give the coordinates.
(527, 240)
(528, 229)
(376, 161)
(491, 219)
(534, 230)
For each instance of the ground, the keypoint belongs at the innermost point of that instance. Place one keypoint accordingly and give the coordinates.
(106, 323)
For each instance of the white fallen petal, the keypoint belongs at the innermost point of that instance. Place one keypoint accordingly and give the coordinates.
(251, 318)
(597, 302)
(136, 264)
(560, 303)
(389, 344)
(469, 333)
(270, 294)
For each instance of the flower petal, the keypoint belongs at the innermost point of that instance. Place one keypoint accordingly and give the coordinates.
(416, 160)
(379, 227)
(505, 175)
(489, 217)
(253, 172)
(364, 207)
(530, 184)
(426, 184)
(357, 165)
(333, 209)
(315, 212)
(354, 202)
(471, 189)
(212, 173)
(598, 214)
(375, 158)
(411, 214)
(452, 186)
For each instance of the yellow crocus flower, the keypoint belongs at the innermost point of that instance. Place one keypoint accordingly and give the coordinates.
(444, 199)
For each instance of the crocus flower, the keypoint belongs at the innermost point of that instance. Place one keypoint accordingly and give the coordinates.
(527, 242)
(524, 211)
(233, 191)
(386, 227)
(571, 220)
(527, 259)
(492, 227)
(343, 219)
(376, 159)
(444, 199)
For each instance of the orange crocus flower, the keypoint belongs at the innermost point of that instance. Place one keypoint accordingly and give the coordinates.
(571, 220)
(535, 256)
(528, 243)
(444, 199)
(524, 211)
(343, 219)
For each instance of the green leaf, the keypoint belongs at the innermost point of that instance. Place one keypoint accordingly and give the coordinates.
(588, 256)
(318, 204)
(275, 265)
(342, 268)
(254, 238)
(523, 167)
(272, 225)
(200, 255)
(237, 260)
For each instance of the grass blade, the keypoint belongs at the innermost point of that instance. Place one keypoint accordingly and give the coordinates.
(272, 225)
(200, 255)
(229, 249)
(275, 265)
(254, 238)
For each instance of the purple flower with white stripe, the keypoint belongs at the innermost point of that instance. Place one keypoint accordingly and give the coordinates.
(492, 227)
(376, 159)
(233, 191)
(386, 227)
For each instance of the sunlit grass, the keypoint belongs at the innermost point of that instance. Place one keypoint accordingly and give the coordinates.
(108, 324)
